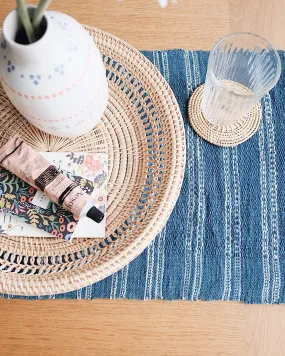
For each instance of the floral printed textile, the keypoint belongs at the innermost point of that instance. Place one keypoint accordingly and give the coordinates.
(16, 198)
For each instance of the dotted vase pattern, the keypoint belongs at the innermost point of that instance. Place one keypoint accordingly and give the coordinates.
(61, 86)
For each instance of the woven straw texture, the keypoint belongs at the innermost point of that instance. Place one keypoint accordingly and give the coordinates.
(142, 130)
(227, 136)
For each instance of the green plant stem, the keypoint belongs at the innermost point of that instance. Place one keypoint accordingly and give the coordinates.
(26, 21)
(38, 16)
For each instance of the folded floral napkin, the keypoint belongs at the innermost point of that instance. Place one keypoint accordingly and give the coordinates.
(27, 212)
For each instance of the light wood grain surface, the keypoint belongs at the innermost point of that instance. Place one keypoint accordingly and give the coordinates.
(104, 327)
(122, 328)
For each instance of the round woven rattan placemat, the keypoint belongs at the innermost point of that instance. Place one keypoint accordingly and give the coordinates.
(227, 136)
(142, 131)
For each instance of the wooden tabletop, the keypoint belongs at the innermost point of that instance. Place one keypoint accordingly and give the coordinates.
(105, 327)
(187, 24)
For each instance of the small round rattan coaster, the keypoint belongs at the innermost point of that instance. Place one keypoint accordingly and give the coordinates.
(231, 135)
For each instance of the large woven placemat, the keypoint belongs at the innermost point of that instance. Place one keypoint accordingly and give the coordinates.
(143, 132)
(225, 238)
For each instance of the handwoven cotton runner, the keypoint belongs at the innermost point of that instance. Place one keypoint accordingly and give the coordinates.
(225, 238)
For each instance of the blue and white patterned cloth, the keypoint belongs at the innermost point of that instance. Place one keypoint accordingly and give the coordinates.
(226, 236)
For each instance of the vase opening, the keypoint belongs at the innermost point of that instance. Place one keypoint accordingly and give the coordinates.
(14, 30)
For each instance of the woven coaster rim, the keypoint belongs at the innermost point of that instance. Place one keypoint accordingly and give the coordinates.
(220, 135)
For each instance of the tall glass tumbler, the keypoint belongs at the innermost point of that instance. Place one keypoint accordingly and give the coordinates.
(242, 68)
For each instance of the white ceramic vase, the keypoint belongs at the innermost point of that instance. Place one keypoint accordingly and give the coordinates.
(57, 83)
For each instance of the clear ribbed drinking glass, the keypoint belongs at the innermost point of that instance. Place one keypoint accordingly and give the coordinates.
(242, 68)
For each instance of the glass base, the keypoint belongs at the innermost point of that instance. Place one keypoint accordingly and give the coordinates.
(222, 135)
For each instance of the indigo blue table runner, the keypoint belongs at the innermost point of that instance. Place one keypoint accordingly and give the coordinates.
(226, 236)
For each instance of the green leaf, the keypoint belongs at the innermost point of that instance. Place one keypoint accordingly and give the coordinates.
(54, 207)
(26, 21)
(11, 188)
(39, 13)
